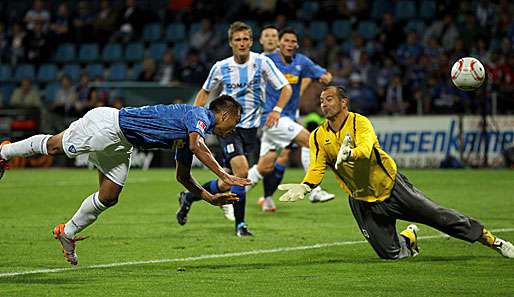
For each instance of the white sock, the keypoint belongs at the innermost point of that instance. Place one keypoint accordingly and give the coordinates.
(35, 145)
(254, 176)
(85, 215)
(306, 158)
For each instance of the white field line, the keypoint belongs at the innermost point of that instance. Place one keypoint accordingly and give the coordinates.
(214, 256)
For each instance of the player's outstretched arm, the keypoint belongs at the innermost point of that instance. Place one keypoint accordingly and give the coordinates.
(201, 98)
(202, 152)
(274, 116)
(189, 182)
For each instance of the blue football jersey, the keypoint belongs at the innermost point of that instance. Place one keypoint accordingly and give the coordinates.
(159, 126)
(300, 67)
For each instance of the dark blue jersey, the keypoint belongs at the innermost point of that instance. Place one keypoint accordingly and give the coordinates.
(158, 126)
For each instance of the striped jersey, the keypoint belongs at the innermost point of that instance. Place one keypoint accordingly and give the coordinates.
(246, 83)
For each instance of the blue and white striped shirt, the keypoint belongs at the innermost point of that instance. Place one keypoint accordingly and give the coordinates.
(246, 83)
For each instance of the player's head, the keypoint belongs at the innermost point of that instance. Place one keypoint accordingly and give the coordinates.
(334, 101)
(240, 38)
(227, 112)
(269, 38)
(288, 41)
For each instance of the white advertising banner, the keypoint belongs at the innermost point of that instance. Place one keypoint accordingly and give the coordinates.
(424, 141)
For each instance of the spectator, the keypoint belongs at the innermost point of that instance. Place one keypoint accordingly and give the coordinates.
(358, 46)
(26, 95)
(330, 50)
(66, 99)
(83, 90)
(396, 99)
(206, 38)
(194, 70)
(4, 44)
(363, 99)
(105, 22)
(391, 34)
(17, 50)
(444, 31)
(307, 48)
(148, 72)
(37, 13)
(118, 102)
(167, 71)
(446, 98)
(62, 24)
(409, 51)
(132, 20)
(37, 44)
(83, 23)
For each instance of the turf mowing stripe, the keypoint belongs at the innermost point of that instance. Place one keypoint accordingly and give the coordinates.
(215, 256)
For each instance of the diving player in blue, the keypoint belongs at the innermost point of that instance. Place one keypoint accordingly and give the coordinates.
(108, 135)
(296, 68)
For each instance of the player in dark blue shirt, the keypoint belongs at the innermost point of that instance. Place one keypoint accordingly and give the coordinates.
(108, 135)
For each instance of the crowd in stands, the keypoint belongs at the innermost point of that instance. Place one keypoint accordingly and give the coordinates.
(393, 57)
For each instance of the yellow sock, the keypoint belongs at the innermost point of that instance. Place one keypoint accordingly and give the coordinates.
(410, 235)
(487, 237)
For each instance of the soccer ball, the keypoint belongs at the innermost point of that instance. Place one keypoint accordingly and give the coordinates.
(468, 74)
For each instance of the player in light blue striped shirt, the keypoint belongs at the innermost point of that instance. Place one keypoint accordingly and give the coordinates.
(243, 76)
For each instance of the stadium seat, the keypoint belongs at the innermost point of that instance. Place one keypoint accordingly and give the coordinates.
(195, 27)
(368, 30)
(405, 10)
(94, 70)
(379, 8)
(318, 30)
(51, 91)
(156, 50)
(5, 72)
(309, 10)
(135, 71)
(222, 29)
(24, 71)
(64, 53)
(134, 52)
(342, 29)
(180, 50)
(88, 52)
(112, 52)
(73, 71)
(427, 9)
(47, 72)
(298, 27)
(152, 32)
(7, 89)
(118, 72)
(417, 26)
(175, 32)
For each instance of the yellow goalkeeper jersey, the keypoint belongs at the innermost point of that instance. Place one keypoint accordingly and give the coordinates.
(368, 175)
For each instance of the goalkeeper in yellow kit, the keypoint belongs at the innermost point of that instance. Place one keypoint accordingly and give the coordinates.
(379, 195)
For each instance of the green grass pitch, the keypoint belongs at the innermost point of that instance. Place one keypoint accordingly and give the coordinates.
(142, 228)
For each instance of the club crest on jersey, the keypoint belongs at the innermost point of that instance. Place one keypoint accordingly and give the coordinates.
(201, 125)
(72, 149)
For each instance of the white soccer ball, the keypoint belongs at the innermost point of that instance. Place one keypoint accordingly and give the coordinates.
(468, 74)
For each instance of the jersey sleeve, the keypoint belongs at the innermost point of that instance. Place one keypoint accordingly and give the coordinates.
(196, 120)
(213, 79)
(318, 165)
(364, 138)
(276, 79)
(312, 70)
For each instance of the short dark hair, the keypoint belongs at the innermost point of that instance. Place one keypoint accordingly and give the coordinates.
(269, 27)
(237, 27)
(340, 91)
(225, 103)
(287, 30)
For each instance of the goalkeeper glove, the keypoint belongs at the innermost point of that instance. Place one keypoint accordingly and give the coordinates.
(294, 192)
(344, 151)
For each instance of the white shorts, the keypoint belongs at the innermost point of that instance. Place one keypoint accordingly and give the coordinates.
(98, 134)
(277, 138)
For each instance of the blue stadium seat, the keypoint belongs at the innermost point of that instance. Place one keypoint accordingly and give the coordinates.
(152, 32)
(94, 70)
(342, 29)
(73, 71)
(88, 52)
(175, 32)
(135, 71)
(156, 50)
(134, 52)
(195, 27)
(405, 10)
(47, 72)
(309, 10)
(64, 53)
(254, 25)
(180, 50)
(118, 72)
(51, 91)
(368, 30)
(24, 71)
(417, 26)
(5, 72)
(298, 27)
(7, 89)
(427, 9)
(318, 30)
(379, 8)
(222, 29)
(112, 52)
